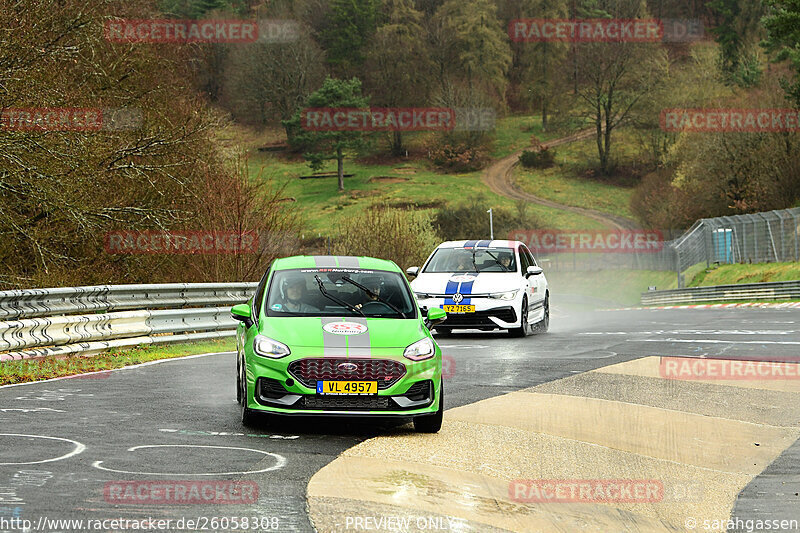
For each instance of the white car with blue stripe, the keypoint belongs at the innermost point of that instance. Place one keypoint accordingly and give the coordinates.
(485, 285)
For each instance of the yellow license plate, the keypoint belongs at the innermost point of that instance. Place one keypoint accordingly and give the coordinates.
(347, 387)
(459, 308)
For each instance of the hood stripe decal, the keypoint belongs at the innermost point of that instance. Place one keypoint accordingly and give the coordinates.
(325, 261)
(465, 289)
(345, 345)
(332, 345)
(462, 287)
(348, 262)
(359, 345)
(451, 289)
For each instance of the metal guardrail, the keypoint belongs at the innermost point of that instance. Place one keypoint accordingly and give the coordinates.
(776, 290)
(69, 320)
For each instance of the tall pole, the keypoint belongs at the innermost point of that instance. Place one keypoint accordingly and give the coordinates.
(491, 225)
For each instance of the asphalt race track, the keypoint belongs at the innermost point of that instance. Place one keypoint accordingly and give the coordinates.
(66, 444)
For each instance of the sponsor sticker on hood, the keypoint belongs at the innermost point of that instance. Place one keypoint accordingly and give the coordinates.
(464, 278)
(345, 328)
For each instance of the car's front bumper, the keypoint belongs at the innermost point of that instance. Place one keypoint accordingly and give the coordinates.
(272, 387)
(489, 314)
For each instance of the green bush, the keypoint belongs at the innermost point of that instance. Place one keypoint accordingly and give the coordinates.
(406, 237)
(471, 220)
(541, 159)
(457, 156)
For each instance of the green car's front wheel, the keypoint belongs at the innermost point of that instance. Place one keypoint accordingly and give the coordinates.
(431, 423)
(238, 380)
(249, 416)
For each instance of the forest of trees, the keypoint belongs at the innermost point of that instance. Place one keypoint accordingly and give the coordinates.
(62, 192)
(457, 53)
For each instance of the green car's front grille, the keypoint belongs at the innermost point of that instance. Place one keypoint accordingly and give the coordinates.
(385, 371)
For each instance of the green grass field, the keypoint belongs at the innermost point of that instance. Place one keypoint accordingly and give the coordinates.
(54, 367)
(514, 133)
(624, 287)
(570, 180)
(404, 183)
(754, 273)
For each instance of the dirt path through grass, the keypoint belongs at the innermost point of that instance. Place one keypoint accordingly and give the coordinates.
(498, 177)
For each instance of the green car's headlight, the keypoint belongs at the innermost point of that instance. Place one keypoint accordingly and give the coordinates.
(266, 347)
(510, 295)
(420, 350)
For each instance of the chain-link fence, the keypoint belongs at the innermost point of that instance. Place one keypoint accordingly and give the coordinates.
(768, 237)
(772, 236)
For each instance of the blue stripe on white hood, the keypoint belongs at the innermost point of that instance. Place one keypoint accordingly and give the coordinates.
(461, 287)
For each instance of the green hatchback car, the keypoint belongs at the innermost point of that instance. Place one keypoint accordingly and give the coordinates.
(338, 336)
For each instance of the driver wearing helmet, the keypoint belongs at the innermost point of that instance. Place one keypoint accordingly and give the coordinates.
(294, 293)
(505, 259)
(374, 284)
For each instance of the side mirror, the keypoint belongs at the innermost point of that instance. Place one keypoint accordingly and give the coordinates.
(412, 271)
(533, 271)
(242, 313)
(436, 316)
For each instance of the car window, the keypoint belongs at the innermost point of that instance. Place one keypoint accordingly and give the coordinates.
(524, 260)
(343, 292)
(528, 256)
(472, 260)
(258, 298)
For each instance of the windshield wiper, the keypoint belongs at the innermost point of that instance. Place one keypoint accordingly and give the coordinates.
(473, 260)
(333, 298)
(377, 296)
(496, 260)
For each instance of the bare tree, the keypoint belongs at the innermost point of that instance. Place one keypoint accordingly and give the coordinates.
(615, 76)
(270, 80)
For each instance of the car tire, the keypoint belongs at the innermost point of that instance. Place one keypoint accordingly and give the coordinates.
(249, 416)
(544, 324)
(525, 328)
(431, 423)
(238, 380)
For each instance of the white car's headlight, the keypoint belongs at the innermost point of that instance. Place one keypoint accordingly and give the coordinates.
(422, 295)
(266, 347)
(420, 350)
(510, 295)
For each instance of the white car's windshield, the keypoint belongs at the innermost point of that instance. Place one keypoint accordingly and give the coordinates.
(472, 260)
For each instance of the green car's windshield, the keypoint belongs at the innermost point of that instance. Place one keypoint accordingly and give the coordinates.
(463, 260)
(335, 292)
